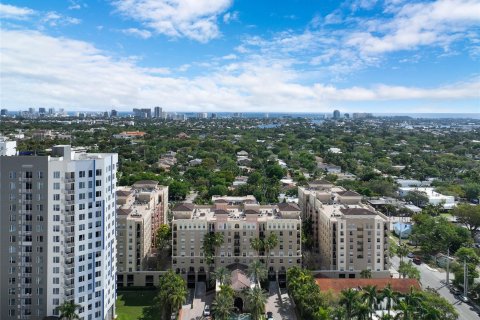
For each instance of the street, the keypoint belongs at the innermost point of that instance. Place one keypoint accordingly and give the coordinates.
(435, 279)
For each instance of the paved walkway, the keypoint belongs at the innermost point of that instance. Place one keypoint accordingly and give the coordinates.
(279, 303)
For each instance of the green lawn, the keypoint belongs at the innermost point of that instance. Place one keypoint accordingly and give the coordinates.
(130, 304)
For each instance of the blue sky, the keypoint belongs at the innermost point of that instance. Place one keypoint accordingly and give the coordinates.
(247, 56)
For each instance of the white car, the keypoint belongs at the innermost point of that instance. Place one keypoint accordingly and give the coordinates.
(206, 311)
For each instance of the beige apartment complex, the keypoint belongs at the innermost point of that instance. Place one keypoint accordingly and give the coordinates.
(238, 224)
(348, 235)
(141, 209)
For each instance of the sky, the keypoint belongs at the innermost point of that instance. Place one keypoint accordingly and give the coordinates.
(400, 56)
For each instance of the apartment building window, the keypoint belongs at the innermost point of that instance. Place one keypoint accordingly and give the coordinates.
(90, 173)
(98, 172)
(81, 185)
(56, 174)
(81, 174)
(56, 186)
(12, 175)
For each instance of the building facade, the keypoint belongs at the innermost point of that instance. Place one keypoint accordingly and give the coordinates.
(348, 235)
(57, 239)
(7, 147)
(238, 224)
(141, 209)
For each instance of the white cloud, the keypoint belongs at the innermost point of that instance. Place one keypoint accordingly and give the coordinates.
(76, 5)
(62, 72)
(230, 16)
(54, 19)
(144, 34)
(414, 25)
(194, 19)
(11, 12)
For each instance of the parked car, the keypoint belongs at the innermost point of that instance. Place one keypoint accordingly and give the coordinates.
(417, 260)
(462, 298)
(206, 310)
(410, 255)
(269, 315)
(454, 290)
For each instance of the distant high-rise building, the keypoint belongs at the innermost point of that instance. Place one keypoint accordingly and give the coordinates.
(3, 112)
(143, 113)
(362, 115)
(336, 114)
(42, 110)
(157, 112)
(113, 113)
(51, 111)
(31, 110)
(213, 116)
(58, 239)
(202, 115)
(346, 115)
(105, 114)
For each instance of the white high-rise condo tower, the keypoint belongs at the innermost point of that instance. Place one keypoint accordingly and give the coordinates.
(57, 234)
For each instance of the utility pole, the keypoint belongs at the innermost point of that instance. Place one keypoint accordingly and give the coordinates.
(465, 278)
(448, 266)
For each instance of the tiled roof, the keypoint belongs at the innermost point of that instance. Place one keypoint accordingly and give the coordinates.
(239, 280)
(288, 207)
(146, 182)
(349, 193)
(357, 211)
(251, 211)
(221, 211)
(337, 285)
(124, 212)
(184, 207)
(321, 182)
(124, 193)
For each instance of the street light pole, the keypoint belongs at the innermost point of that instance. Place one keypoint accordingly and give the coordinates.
(465, 278)
(448, 266)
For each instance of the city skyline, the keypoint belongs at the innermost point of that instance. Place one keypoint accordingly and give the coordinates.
(357, 56)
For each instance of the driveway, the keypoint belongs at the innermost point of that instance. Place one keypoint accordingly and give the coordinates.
(196, 313)
(279, 303)
(435, 279)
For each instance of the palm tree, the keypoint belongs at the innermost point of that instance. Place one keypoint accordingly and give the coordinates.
(390, 296)
(349, 299)
(257, 271)
(68, 310)
(405, 311)
(222, 275)
(366, 274)
(256, 244)
(256, 300)
(222, 306)
(402, 251)
(370, 296)
(322, 314)
(178, 297)
(270, 243)
(363, 311)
